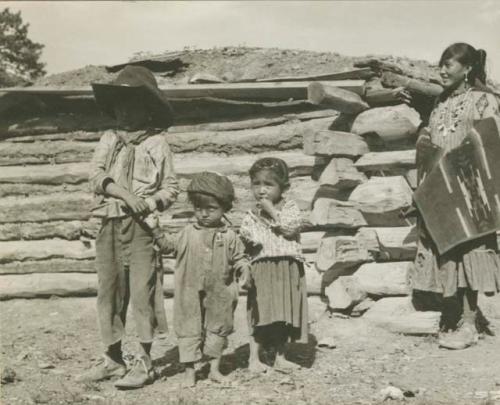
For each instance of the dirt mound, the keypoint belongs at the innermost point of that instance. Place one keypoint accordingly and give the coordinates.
(243, 63)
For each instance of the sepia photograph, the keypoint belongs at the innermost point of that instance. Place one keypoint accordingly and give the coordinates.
(250, 202)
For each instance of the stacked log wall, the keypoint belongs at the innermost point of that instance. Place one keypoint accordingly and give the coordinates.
(351, 174)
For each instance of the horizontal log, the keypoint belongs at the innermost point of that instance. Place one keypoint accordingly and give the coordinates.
(361, 73)
(342, 174)
(329, 213)
(397, 243)
(25, 189)
(386, 161)
(231, 91)
(185, 165)
(81, 116)
(44, 250)
(382, 200)
(334, 144)
(38, 285)
(395, 123)
(397, 315)
(338, 254)
(432, 90)
(62, 285)
(384, 279)
(344, 293)
(64, 266)
(236, 125)
(339, 99)
(70, 230)
(56, 207)
(280, 137)
(381, 97)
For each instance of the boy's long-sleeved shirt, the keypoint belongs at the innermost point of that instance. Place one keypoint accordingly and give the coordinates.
(153, 176)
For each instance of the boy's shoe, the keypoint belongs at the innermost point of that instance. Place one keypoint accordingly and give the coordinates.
(465, 336)
(142, 373)
(107, 368)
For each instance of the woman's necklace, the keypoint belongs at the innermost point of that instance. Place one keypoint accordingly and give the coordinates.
(451, 113)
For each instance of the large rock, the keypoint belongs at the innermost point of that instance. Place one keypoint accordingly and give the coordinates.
(339, 255)
(367, 237)
(342, 174)
(334, 143)
(382, 200)
(332, 213)
(398, 315)
(344, 293)
(384, 278)
(339, 99)
(392, 123)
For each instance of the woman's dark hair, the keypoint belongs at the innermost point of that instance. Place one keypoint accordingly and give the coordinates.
(467, 55)
(276, 166)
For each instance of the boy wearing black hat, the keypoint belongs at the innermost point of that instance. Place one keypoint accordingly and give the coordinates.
(210, 256)
(133, 177)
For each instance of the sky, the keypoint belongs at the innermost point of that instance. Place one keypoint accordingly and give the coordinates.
(78, 33)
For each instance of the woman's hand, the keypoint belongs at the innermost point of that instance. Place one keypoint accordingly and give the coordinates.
(402, 95)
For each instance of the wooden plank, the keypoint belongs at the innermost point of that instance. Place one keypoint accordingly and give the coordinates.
(232, 91)
(361, 73)
(387, 161)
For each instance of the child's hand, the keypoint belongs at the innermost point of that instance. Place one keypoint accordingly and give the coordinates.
(245, 278)
(136, 204)
(267, 206)
(152, 221)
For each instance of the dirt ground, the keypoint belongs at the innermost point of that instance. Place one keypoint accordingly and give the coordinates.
(47, 342)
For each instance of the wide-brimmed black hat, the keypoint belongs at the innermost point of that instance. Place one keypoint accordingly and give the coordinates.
(137, 82)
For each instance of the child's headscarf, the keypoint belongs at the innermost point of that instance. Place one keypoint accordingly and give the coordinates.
(215, 185)
(275, 165)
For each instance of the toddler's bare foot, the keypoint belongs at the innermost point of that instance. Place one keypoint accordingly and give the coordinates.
(189, 378)
(284, 364)
(215, 375)
(256, 366)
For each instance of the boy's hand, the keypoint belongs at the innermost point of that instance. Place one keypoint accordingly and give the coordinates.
(137, 204)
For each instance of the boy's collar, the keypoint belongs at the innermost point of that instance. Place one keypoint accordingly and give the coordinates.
(221, 228)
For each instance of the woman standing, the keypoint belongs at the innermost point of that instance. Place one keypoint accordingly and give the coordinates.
(472, 267)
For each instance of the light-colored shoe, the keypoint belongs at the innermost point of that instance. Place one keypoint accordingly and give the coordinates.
(142, 373)
(107, 368)
(465, 336)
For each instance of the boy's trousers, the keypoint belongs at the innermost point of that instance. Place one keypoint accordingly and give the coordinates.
(127, 269)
